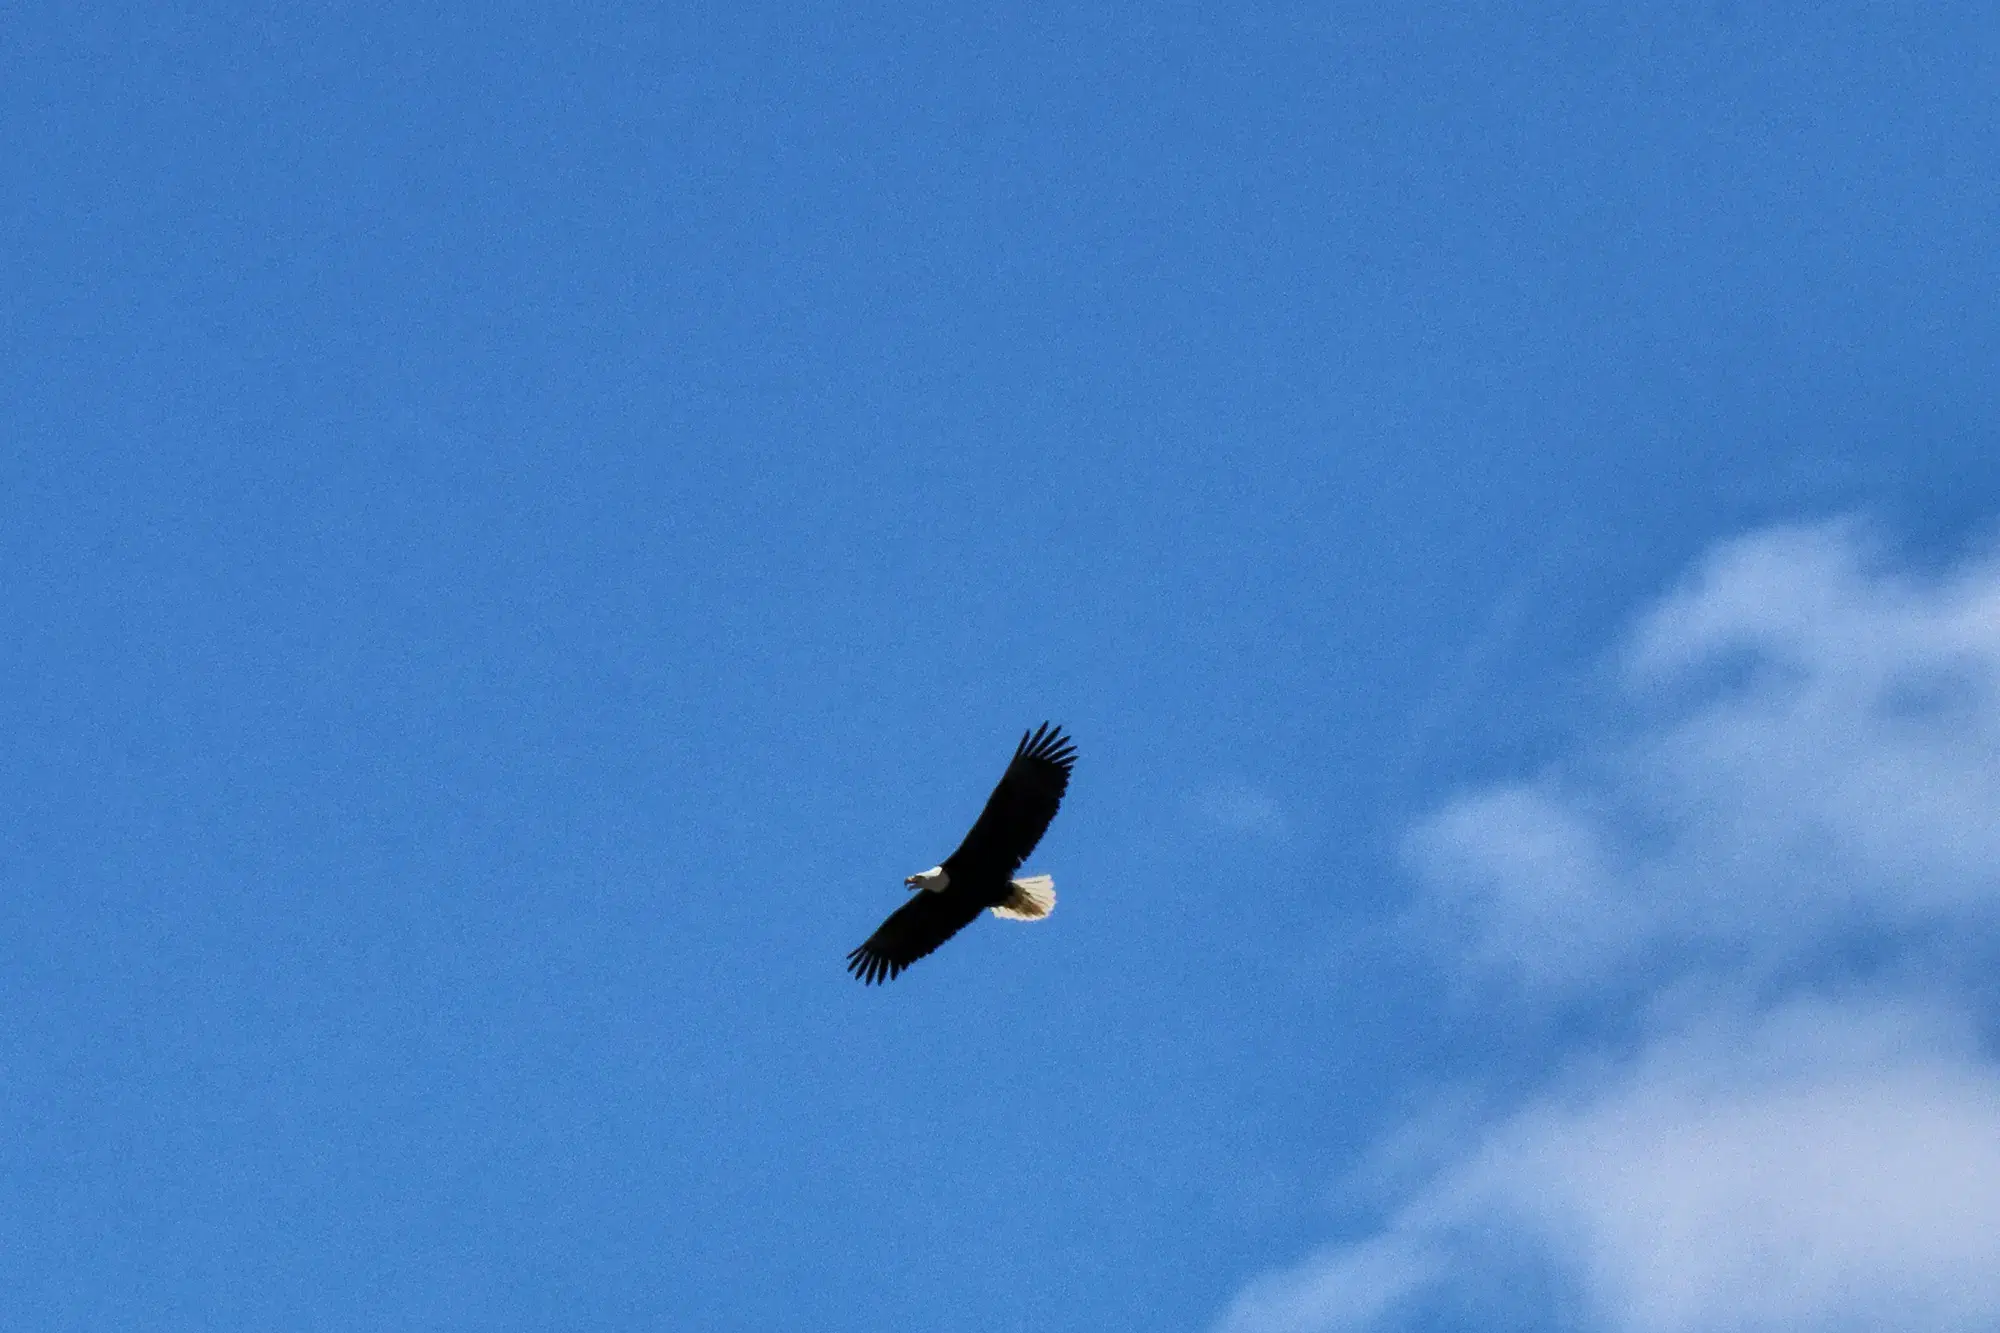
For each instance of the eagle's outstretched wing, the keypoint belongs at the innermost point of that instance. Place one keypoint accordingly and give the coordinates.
(912, 930)
(1020, 808)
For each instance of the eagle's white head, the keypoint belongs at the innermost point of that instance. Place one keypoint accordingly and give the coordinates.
(933, 879)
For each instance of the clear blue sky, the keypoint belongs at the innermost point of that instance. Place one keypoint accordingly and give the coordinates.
(519, 529)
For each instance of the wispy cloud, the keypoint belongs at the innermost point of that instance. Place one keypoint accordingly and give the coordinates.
(1242, 809)
(1343, 1287)
(1819, 768)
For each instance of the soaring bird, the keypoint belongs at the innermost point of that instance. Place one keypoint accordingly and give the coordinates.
(979, 875)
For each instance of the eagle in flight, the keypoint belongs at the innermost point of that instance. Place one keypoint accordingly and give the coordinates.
(979, 875)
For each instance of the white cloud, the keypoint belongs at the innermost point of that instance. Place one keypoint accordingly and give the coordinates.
(1827, 1166)
(1831, 1168)
(1825, 760)
(1818, 765)
(1523, 883)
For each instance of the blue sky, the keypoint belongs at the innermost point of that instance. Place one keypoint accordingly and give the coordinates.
(521, 529)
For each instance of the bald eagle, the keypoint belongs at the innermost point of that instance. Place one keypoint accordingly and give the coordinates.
(979, 875)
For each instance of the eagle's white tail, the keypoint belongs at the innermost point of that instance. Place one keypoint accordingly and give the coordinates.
(1032, 899)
